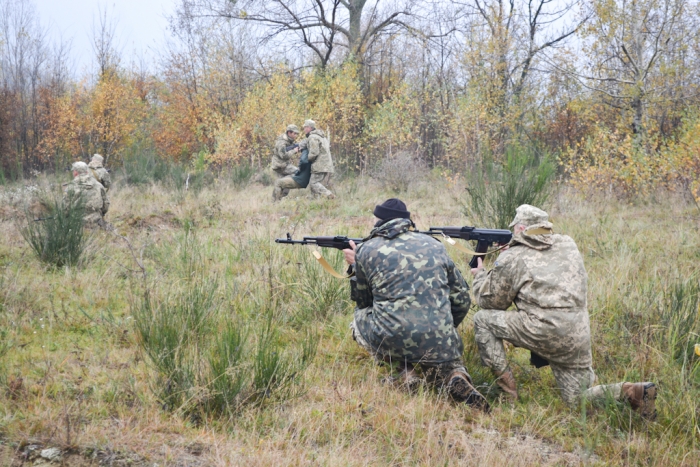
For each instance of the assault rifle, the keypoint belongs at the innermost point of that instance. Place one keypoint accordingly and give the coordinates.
(338, 242)
(484, 237)
(291, 148)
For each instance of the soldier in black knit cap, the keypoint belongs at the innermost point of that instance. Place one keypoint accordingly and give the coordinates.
(410, 299)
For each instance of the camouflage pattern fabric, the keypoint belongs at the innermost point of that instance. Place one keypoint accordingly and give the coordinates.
(281, 164)
(544, 277)
(318, 183)
(282, 187)
(410, 297)
(100, 174)
(319, 152)
(94, 194)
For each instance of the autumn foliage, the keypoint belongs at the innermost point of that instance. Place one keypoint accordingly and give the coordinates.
(215, 102)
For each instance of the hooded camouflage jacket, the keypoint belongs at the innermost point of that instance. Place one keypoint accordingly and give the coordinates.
(94, 194)
(319, 152)
(100, 174)
(280, 157)
(410, 296)
(544, 276)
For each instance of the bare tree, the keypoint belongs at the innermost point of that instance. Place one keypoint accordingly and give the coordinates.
(321, 25)
(639, 52)
(23, 55)
(104, 44)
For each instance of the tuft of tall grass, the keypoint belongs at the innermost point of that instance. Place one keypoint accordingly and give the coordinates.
(679, 320)
(241, 175)
(205, 362)
(495, 190)
(57, 238)
(228, 370)
(145, 168)
(321, 294)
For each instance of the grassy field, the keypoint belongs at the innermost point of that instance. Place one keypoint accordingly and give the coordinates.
(81, 369)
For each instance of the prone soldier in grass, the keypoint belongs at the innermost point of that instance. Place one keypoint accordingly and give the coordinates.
(410, 299)
(544, 277)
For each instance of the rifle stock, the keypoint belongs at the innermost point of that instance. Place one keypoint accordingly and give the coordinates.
(483, 237)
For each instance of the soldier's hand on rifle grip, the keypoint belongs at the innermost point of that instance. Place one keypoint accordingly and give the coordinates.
(480, 266)
(350, 253)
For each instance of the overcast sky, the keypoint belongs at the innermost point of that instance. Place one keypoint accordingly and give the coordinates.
(141, 25)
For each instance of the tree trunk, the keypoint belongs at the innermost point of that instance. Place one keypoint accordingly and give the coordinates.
(355, 8)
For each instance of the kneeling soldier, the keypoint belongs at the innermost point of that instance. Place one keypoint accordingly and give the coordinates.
(410, 299)
(543, 275)
(93, 193)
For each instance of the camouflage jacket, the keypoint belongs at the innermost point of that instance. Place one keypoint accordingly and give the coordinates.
(410, 296)
(319, 152)
(100, 174)
(94, 194)
(544, 276)
(280, 157)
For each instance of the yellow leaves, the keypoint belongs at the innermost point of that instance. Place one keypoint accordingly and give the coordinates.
(607, 160)
(332, 98)
(103, 118)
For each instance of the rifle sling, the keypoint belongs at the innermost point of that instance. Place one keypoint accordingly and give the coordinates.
(329, 269)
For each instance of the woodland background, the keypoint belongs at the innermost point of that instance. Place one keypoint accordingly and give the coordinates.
(608, 88)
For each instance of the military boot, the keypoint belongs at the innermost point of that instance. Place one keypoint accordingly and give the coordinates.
(642, 398)
(460, 388)
(506, 381)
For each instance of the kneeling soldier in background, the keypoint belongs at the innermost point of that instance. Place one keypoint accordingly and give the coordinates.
(281, 158)
(410, 299)
(99, 172)
(93, 193)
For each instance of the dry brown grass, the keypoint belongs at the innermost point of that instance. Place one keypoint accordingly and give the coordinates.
(85, 385)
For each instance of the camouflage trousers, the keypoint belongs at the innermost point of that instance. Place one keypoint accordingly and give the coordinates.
(318, 183)
(492, 327)
(94, 220)
(284, 173)
(436, 374)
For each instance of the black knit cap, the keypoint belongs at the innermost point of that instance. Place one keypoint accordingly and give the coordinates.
(393, 208)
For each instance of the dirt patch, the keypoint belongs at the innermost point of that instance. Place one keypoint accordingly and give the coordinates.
(516, 449)
(154, 221)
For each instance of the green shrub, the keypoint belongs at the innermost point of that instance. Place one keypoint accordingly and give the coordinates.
(398, 172)
(58, 238)
(495, 190)
(679, 320)
(144, 167)
(205, 362)
(241, 174)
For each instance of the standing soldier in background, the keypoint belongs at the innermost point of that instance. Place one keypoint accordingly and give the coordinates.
(92, 192)
(543, 275)
(281, 157)
(320, 158)
(99, 172)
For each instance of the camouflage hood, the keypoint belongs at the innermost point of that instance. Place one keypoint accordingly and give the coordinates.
(392, 228)
(85, 181)
(537, 242)
(318, 132)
